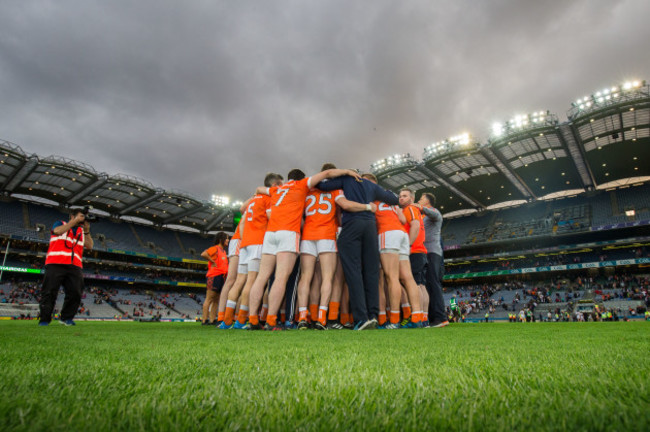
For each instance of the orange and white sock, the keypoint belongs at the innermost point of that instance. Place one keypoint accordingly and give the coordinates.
(394, 317)
(254, 319)
(229, 315)
(302, 314)
(322, 315)
(406, 310)
(381, 319)
(243, 314)
(220, 316)
(272, 320)
(416, 317)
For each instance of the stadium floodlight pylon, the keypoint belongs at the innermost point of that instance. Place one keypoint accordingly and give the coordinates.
(220, 200)
(614, 95)
(461, 141)
(523, 122)
(392, 162)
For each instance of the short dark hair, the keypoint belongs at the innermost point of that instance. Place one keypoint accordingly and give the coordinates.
(271, 178)
(75, 211)
(295, 174)
(328, 166)
(220, 238)
(431, 197)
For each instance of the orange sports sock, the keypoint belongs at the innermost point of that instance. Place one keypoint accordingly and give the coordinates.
(272, 320)
(254, 319)
(344, 318)
(220, 316)
(265, 310)
(322, 315)
(416, 317)
(229, 315)
(302, 314)
(381, 319)
(313, 311)
(394, 317)
(333, 313)
(406, 310)
(243, 315)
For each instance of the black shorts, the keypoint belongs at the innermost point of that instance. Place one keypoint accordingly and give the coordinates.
(215, 283)
(419, 267)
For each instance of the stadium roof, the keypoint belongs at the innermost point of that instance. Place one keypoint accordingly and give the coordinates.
(71, 183)
(604, 143)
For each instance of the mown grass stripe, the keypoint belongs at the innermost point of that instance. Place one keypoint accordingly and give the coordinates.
(131, 376)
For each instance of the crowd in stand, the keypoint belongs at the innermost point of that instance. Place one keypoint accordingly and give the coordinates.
(20, 293)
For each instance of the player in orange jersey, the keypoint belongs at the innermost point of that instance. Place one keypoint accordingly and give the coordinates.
(318, 242)
(233, 263)
(394, 250)
(418, 257)
(281, 242)
(216, 276)
(255, 217)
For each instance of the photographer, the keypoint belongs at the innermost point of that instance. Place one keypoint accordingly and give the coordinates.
(63, 266)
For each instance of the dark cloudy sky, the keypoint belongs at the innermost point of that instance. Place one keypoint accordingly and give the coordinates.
(207, 96)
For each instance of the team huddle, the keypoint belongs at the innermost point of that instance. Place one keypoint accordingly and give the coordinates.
(329, 251)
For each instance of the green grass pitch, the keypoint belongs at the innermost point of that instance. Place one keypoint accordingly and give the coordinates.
(115, 376)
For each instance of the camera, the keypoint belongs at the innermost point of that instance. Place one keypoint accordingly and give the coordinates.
(89, 217)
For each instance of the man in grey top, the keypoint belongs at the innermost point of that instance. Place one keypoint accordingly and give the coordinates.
(435, 267)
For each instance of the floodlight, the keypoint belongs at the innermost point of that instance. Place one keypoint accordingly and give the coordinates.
(393, 161)
(608, 95)
(220, 200)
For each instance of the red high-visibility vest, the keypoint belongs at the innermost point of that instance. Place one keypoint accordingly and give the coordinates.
(68, 248)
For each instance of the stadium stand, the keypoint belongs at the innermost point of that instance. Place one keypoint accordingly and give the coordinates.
(534, 210)
(114, 235)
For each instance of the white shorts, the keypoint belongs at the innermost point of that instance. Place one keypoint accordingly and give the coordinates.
(395, 242)
(233, 248)
(249, 259)
(281, 241)
(317, 247)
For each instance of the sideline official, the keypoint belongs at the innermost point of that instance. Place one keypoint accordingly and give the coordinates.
(63, 265)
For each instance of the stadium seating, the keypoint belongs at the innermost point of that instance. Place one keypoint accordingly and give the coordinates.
(195, 241)
(117, 235)
(164, 242)
(456, 231)
(12, 221)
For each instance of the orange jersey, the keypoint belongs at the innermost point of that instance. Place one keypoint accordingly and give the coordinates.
(387, 219)
(256, 221)
(221, 258)
(413, 213)
(236, 235)
(287, 205)
(321, 222)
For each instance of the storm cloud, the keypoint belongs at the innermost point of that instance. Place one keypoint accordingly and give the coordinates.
(206, 97)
